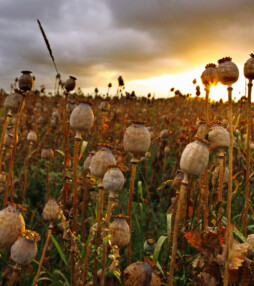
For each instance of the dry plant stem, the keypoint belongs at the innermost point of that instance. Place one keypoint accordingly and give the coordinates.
(105, 245)
(220, 191)
(88, 249)
(84, 207)
(171, 233)
(66, 137)
(25, 173)
(47, 180)
(230, 183)
(2, 138)
(98, 238)
(247, 193)
(43, 254)
(13, 152)
(177, 220)
(206, 210)
(134, 163)
(14, 275)
(75, 202)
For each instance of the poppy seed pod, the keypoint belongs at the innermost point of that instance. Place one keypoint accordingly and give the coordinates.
(51, 211)
(104, 106)
(56, 115)
(101, 160)
(195, 157)
(113, 180)
(137, 139)
(164, 134)
(81, 118)
(88, 160)
(26, 81)
(24, 250)
(209, 76)
(70, 83)
(202, 130)
(119, 232)
(249, 68)
(12, 103)
(228, 72)
(32, 136)
(140, 273)
(12, 225)
(47, 153)
(218, 137)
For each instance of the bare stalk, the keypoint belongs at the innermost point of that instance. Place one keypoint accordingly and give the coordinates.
(84, 206)
(105, 245)
(75, 202)
(2, 138)
(134, 163)
(230, 184)
(25, 172)
(220, 191)
(43, 254)
(175, 235)
(47, 180)
(98, 239)
(13, 152)
(247, 193)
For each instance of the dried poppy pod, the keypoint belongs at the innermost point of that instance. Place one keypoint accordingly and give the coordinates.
(215, 176)
(195, 157)
(228, 72)
(56, 115)
(31, 137)
(202, 129)
(218, 137)
(26, 81)
(209, 76)
(12, 225)
(24, 250)
(81, 118)
(119, 231)
(104, 106)
(3, 176)
(101, 160)
(140, 273)
(249, 68)
(51, 211)
(88, 160)
(47, 153)
(164, 135)
(70, 83)
(113, 181)
(12, 103)
(137, 139)
(70, 107)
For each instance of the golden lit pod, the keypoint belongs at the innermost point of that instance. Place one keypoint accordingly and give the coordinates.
(249, 68)
(51, 211)
(140, 273)
(12, 225)
(137, 139)
(24, 250)
(209, 76)
(195, 157)
(26, 81)
(218, 137)
(119, 232)
(228, 72)
(101, 160)
(81, 118)
(31, 136)
(70, 83)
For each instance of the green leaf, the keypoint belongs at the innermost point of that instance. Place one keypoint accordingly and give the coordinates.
(60, 152)
(59, 249)
(140, 189)
(160, 268)
(158, 248)
(169, 219)
(83, 148)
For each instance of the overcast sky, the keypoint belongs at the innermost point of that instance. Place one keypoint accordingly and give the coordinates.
(98, 40)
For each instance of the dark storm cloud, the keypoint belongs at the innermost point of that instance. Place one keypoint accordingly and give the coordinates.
(136, 38)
